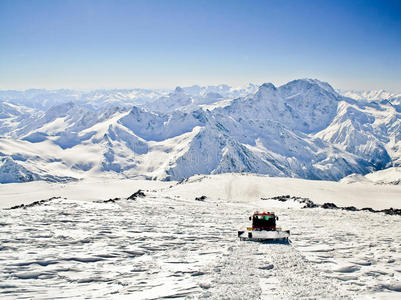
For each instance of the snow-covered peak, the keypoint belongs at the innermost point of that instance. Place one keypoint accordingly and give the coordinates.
(179, 90)
(265, 92)
(268, 86)
(306, 85)
(304, 105)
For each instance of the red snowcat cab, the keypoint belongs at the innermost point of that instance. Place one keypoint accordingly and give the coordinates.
(263, 221)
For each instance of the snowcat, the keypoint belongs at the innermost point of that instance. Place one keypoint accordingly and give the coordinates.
(264, 229)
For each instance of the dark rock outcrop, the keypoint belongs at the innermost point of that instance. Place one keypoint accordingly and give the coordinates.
(329, 205)
(310, 204)
(137, 194)
(36, 203)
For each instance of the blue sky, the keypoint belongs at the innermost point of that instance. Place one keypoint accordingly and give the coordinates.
(124, 44)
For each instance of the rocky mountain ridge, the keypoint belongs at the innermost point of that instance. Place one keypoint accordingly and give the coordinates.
(303, 129)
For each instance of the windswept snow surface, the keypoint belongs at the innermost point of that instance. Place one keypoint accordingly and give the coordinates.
(168, 245)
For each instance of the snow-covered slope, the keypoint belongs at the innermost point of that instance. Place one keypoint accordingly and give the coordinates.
(93, 240)
(301, 129)
(391, 176)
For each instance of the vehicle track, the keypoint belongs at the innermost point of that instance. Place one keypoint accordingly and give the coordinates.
(252, 270)
(294, 276)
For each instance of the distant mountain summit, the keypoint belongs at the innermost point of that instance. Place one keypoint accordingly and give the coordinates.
(302, 129)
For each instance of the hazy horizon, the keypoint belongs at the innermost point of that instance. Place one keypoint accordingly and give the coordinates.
(187, 86)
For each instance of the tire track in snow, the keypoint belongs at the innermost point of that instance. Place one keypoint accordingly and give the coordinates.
(288, 275)
(268, 271)
(236, 275)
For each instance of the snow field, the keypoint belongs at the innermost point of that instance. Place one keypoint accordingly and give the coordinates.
(169, 245)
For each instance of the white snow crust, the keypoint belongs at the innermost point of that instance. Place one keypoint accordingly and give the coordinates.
(168, 245)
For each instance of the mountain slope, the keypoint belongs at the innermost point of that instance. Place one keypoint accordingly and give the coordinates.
(301, 129)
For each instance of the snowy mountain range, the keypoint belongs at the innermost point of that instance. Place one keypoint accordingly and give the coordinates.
(302, 129)
(369, 95)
